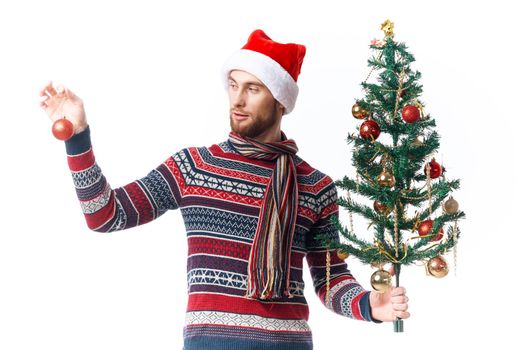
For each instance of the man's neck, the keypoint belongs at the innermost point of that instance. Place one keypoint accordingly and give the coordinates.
(270, 136)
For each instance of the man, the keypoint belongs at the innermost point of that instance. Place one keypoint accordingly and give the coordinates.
(252, 209)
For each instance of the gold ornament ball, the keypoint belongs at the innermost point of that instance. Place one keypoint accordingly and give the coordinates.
(386, 179)
(451, 206)
(341, 254)
(437, 267)
(381, 280)
(359, 112)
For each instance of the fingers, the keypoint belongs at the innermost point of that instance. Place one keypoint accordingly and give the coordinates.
(401, 314)
(48, 90)
(396, 291)
(44, 101)
(399, 302)
(46, 93)
(49, 93)
(400, 299)
(400, 306)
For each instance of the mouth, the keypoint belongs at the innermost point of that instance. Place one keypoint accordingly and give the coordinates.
(239, 116)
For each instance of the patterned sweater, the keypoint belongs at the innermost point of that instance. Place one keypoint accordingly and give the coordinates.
(219, 193)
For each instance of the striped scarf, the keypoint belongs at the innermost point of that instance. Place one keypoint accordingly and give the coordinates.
(269, 263)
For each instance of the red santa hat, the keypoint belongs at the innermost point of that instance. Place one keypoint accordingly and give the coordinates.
(277, 65)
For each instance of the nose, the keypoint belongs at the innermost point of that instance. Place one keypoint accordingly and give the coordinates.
(237, 98)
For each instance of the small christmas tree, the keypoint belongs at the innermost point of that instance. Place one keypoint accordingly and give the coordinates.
(396, 170)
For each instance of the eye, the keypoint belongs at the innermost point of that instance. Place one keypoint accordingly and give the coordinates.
(254, 89)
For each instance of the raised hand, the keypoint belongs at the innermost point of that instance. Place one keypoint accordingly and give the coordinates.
(59, 102)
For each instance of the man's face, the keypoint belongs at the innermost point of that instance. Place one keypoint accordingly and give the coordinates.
(254, 112)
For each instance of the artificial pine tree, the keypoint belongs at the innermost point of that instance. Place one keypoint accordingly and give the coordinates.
(396, 171)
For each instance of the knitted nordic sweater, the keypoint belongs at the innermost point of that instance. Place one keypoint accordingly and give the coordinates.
(219, 193)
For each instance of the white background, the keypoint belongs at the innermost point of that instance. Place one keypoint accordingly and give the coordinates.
(149, 78)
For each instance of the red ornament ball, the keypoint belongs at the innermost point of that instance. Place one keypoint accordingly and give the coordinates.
(438, 236)
(63, 129)
(425, 227)
(369, 130)
(381, 208)
(410, 114)
(435, 169)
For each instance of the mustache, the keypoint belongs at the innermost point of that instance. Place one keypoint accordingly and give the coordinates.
(238, 112)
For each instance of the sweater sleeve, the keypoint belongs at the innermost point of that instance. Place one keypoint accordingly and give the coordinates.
(141, 201)
(347, 297)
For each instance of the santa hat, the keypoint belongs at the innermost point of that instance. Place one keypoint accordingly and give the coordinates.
(277, 65)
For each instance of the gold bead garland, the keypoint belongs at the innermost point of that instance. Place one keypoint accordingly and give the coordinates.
(373, 68)
(382, 251)
(429, 188)
(396, 233)
(398, 94)
(455, 238)
(350, 213)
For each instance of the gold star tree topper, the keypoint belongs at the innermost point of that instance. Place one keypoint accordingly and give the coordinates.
(388, 27)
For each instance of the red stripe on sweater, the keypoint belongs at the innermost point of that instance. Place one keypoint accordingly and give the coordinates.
(307, 212)
(81, 161)
(174, 170)
(217, 246)
(222, 195)
(303, 168)
(319, 258)
(241, 305)
(201, 164)
(329, 210)
(140, 201)
(356, 311)
(318, 186)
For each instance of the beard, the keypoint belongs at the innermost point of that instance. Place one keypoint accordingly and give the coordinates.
(256, 125)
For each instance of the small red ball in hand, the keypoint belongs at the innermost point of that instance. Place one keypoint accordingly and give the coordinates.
(410, 114)
(63, 129)
(369, 130)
